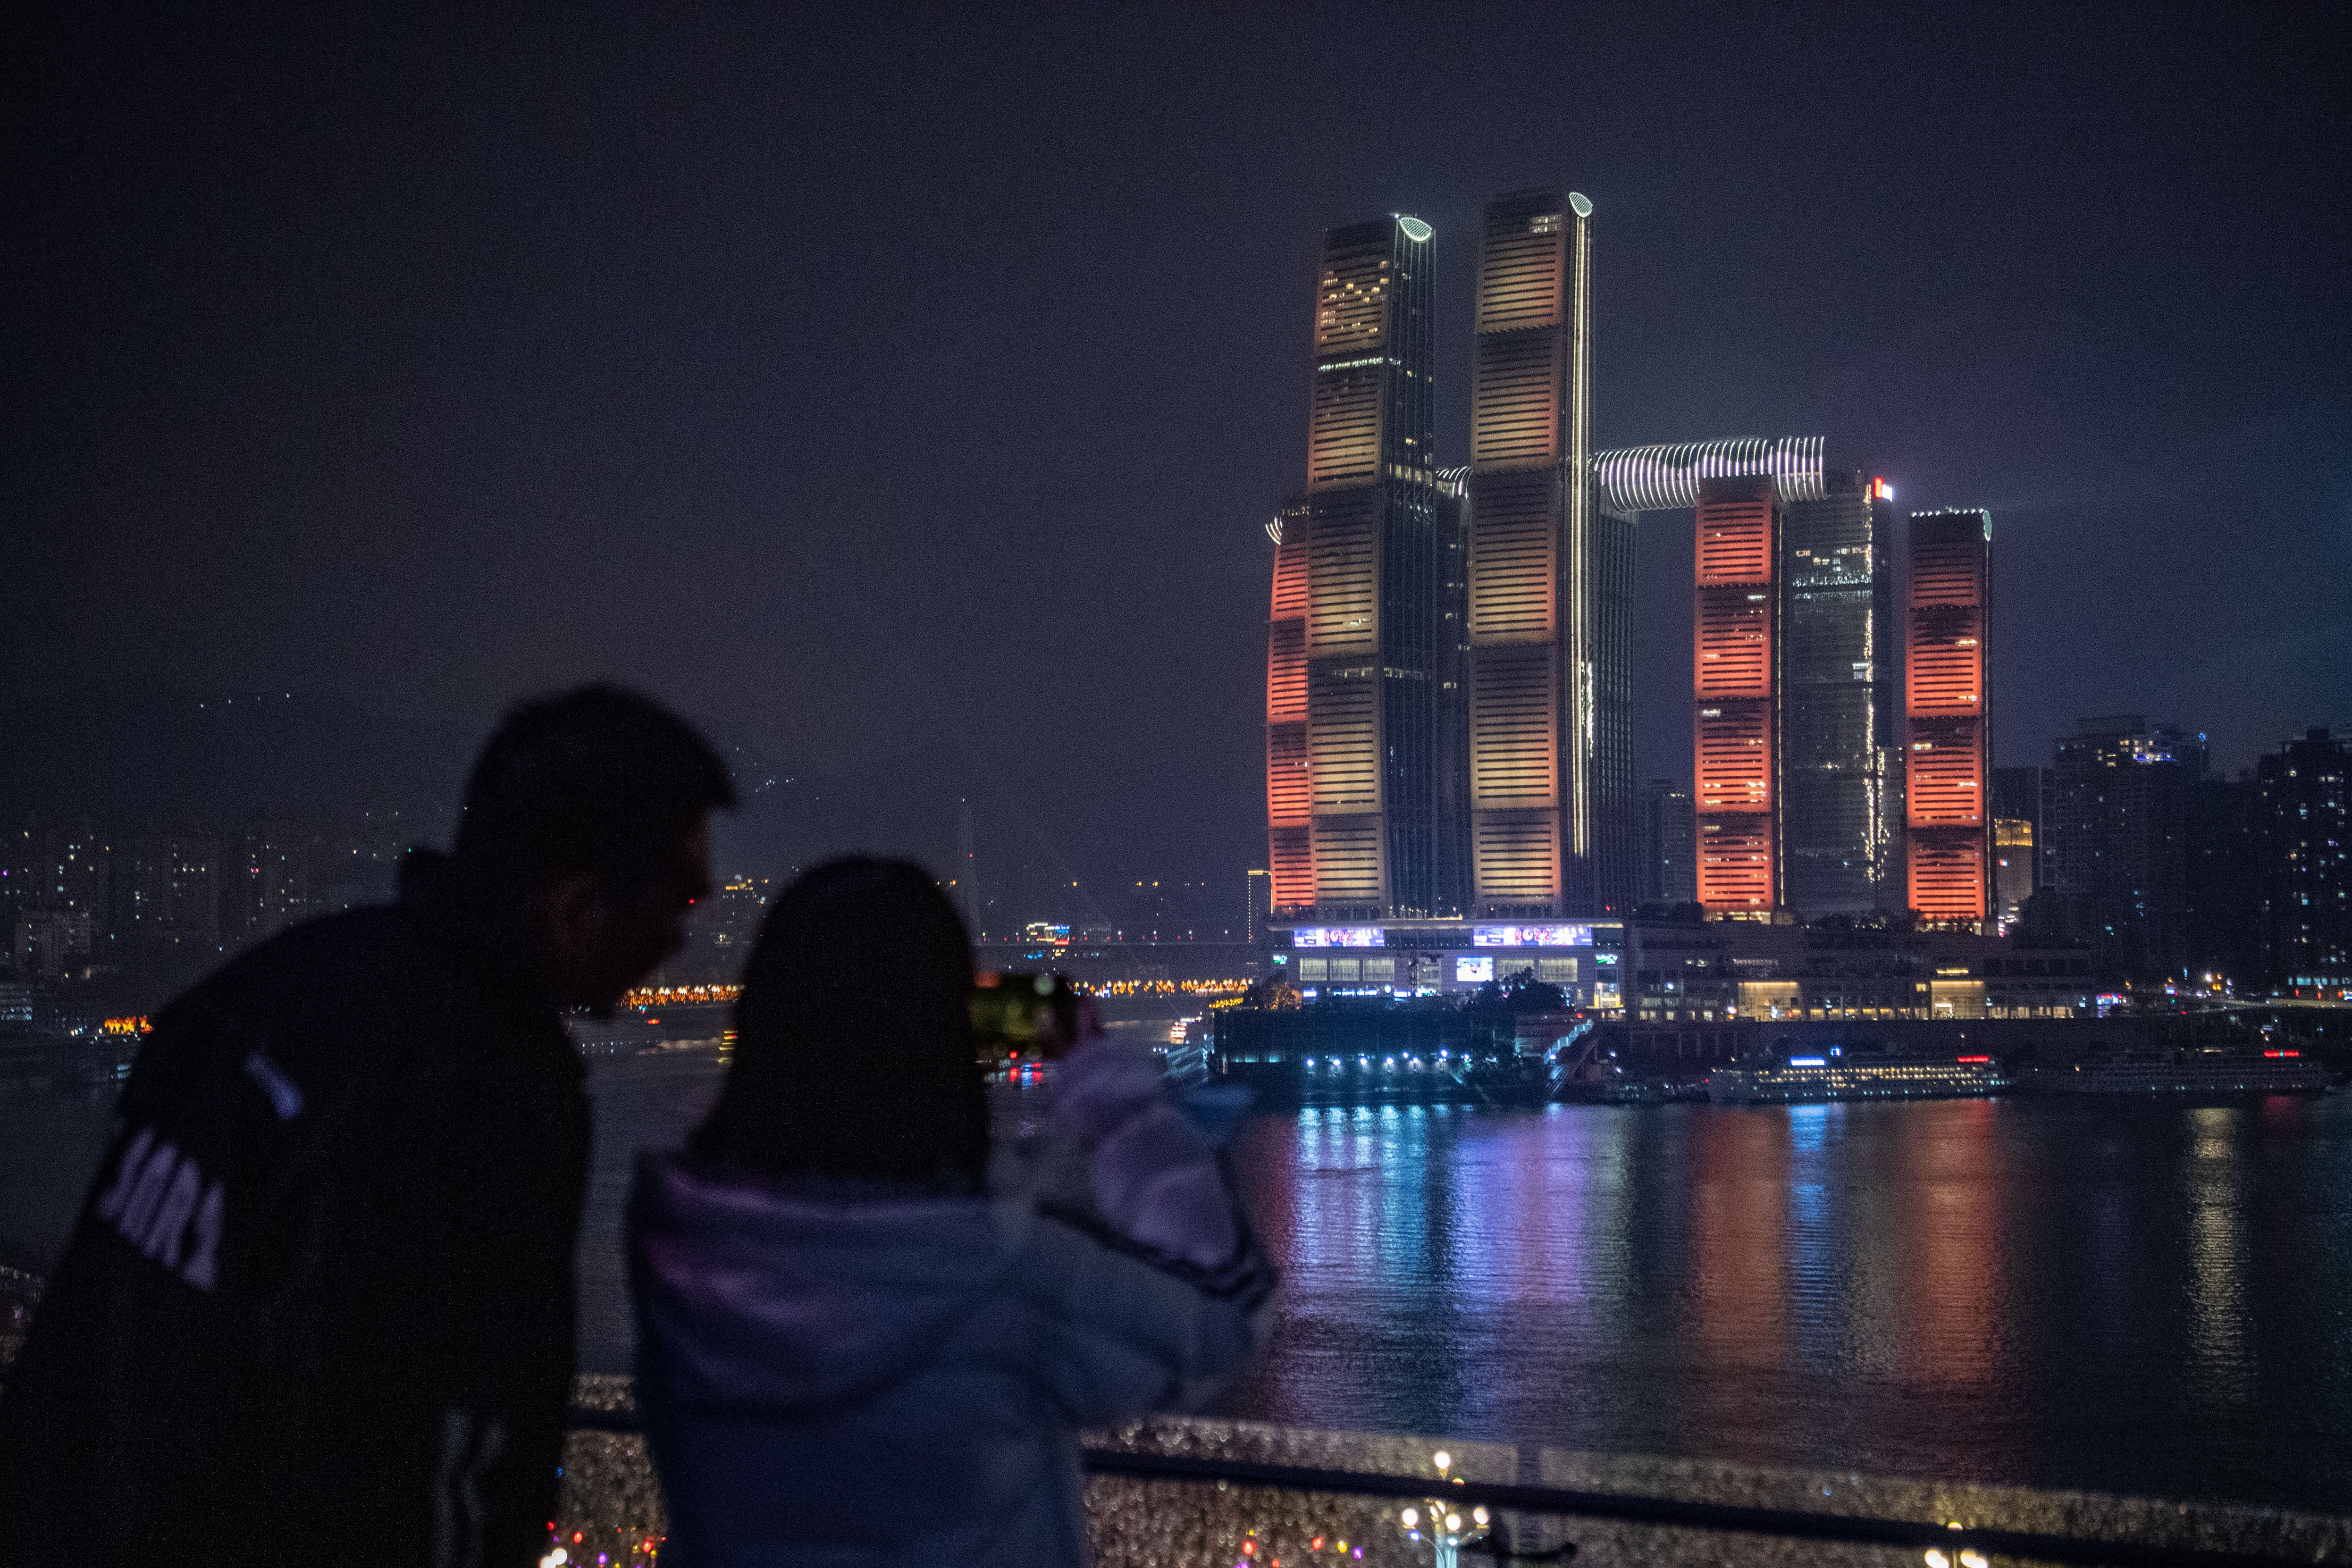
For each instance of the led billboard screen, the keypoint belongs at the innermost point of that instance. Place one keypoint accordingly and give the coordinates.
(1339, 936)
(1532, 936)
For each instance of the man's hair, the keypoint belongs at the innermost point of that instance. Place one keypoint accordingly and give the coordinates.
(597, 780)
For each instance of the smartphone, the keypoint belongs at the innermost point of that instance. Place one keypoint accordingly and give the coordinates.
(1012, 1013)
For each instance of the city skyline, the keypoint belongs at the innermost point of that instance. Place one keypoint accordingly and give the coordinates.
(807, 459)
(1593, 760)
(1449, 685)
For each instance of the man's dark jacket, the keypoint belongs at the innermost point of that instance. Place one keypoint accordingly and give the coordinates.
(318, 1304)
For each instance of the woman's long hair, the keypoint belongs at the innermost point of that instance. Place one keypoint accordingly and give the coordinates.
(853, 1048)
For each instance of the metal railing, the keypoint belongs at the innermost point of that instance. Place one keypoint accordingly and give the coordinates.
(1952, 1525)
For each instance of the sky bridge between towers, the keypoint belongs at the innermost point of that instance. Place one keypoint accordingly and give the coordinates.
(1636, 479)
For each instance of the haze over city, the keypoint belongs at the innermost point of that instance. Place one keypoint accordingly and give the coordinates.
(905, 401)
(870, 783)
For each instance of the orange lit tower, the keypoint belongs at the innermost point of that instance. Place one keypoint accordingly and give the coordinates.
(1728, 479)
(1735, 682)
(1352, 643)
(1289, 791)
(1946, 724)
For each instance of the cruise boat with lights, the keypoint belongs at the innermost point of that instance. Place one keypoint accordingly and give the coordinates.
(1809, 1080)
(2267, 1071)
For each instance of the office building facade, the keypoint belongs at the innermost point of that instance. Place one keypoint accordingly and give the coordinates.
(1742, 489)
(2012, 870)
(1668, 835)
(1453, 756)
(1948, 731)
(1736, 751)
(2019, 797)
(1841, 753)
(1550, 609)
(1352, 640)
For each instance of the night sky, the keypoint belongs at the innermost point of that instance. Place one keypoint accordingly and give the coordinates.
(901, 394)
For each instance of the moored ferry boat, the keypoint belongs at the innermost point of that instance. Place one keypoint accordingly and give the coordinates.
(2275, 1071)
(1805, 1080)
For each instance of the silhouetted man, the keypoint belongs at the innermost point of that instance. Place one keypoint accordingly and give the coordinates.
(319, 1305)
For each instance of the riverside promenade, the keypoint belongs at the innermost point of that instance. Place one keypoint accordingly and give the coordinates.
(1177, 1493)
(1174, 1493)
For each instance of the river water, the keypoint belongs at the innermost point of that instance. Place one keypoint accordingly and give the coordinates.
(2124, 1297)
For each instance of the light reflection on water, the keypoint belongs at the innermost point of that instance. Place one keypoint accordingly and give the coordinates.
(2017, 1291)
(2125, 1297)
(2216, 1259)
(2122, 1297)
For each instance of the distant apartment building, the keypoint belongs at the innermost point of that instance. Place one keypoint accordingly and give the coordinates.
(1669, 841)
(269, 886)
(2304, 826)
(1947, 724)
(50, 943)
(56, 867)
(167, 900)
(2115, 847)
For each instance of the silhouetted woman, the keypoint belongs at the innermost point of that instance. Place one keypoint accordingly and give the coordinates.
(863, 1339)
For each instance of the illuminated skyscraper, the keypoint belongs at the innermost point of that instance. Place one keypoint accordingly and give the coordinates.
(1453, 783)
(1669, 845)
(1736, 744)
(2012, 869)
(1841, 749)
(1948, 726)
(1353, 656)
(1742, 490)
(1550, 754)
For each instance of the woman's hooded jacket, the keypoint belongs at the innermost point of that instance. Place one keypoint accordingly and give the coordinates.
(838, 1373)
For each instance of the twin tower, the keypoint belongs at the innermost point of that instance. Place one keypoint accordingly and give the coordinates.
(1449, 692)
(1448, 701)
